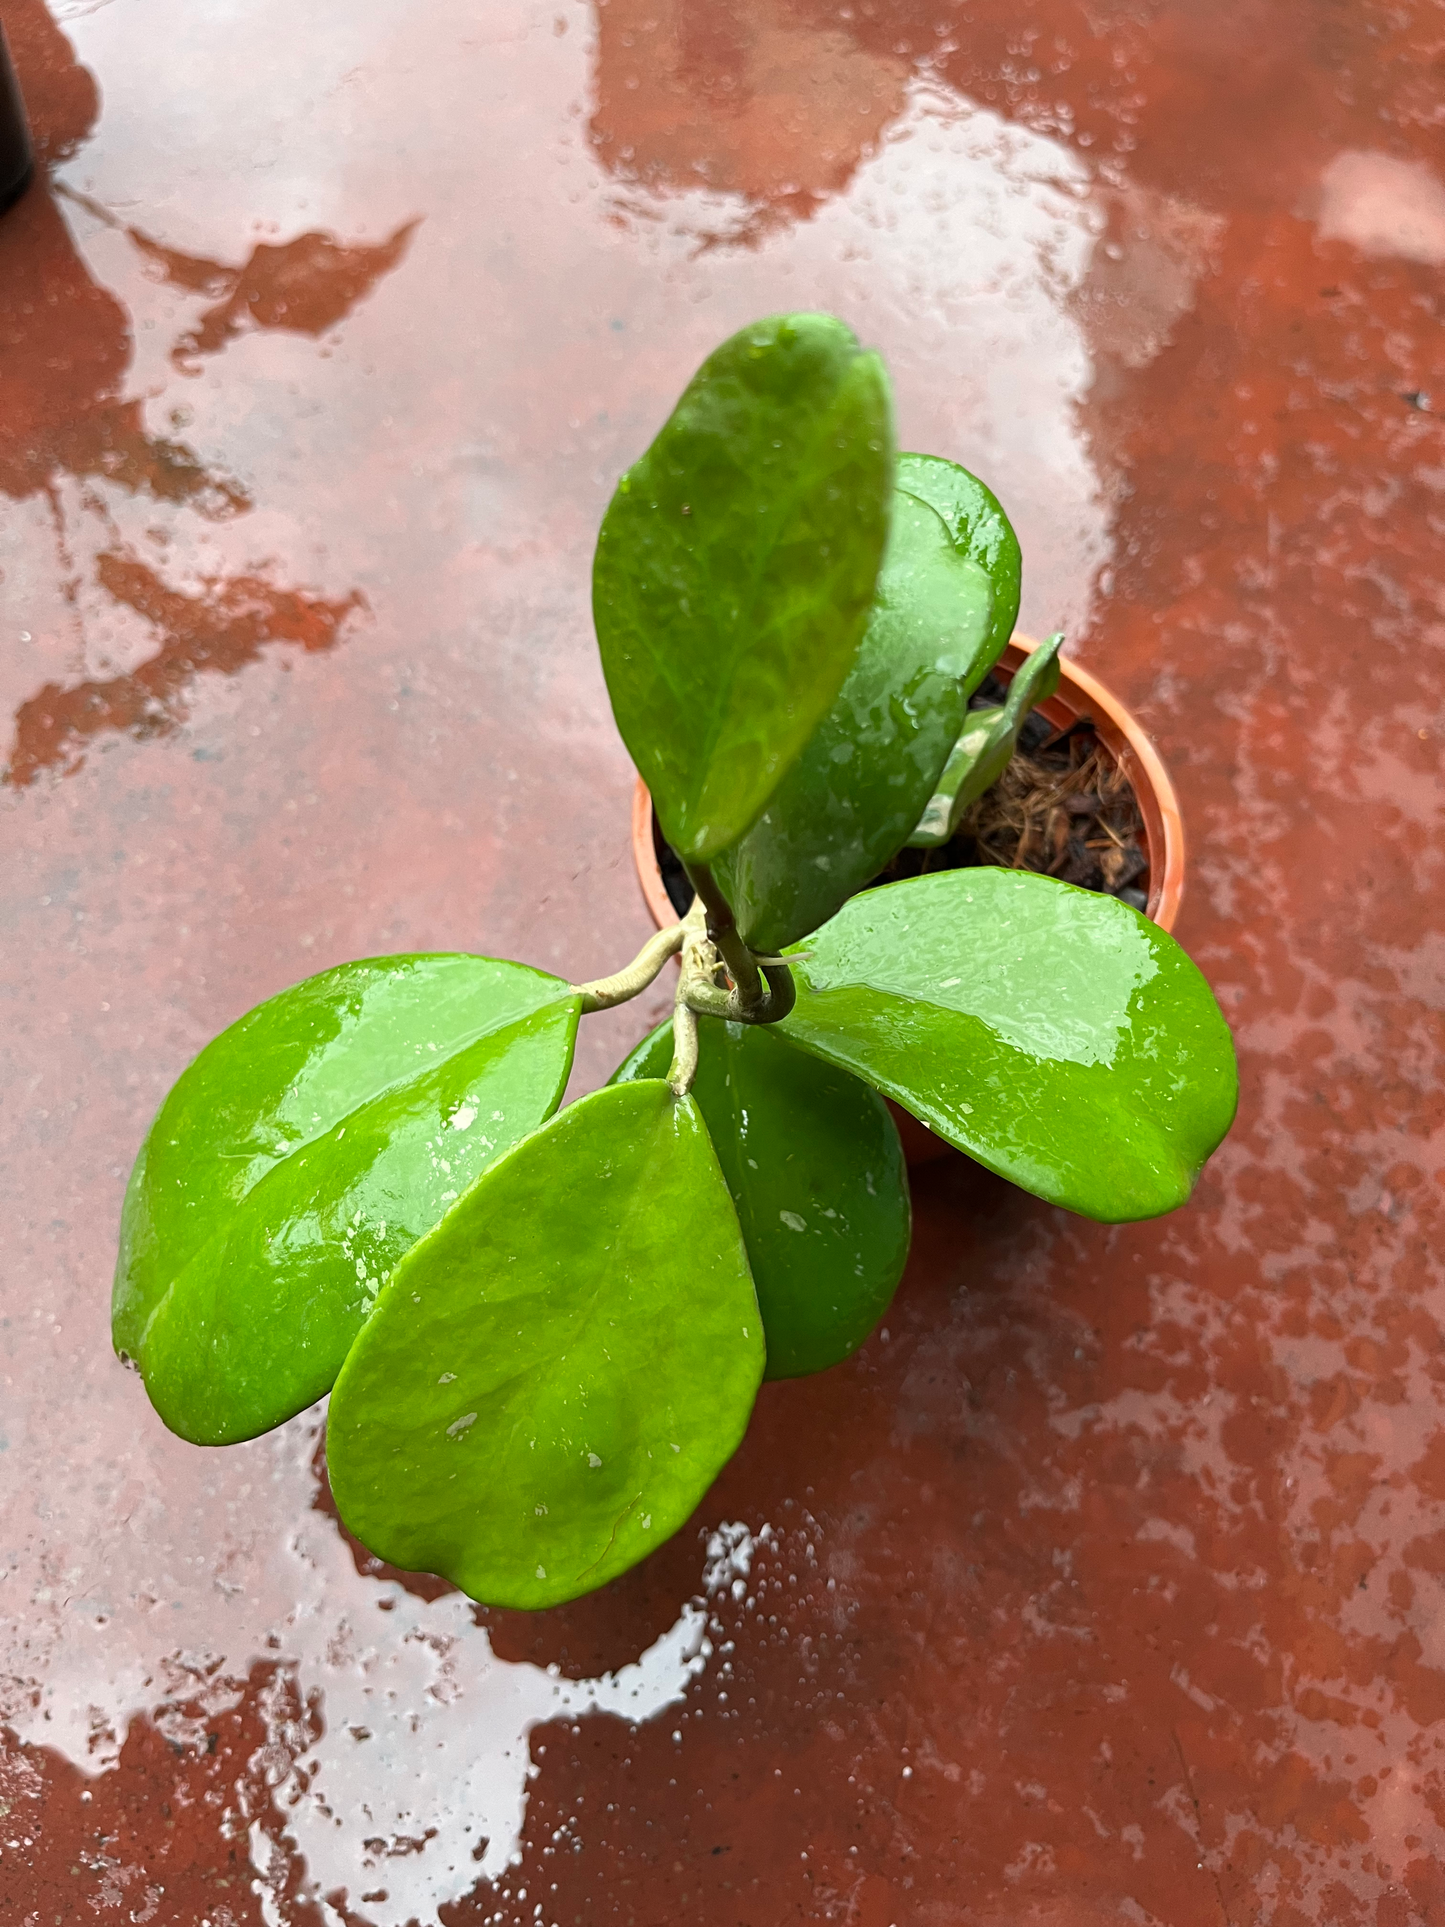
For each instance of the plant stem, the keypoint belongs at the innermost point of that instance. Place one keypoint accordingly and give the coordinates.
(683, 1068)
(698, 991)
(709, 1000)
(782, 992)
(607, 992)
(699, 962)
(723, 931)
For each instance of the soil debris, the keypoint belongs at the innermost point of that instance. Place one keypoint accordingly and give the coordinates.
(1063, 806)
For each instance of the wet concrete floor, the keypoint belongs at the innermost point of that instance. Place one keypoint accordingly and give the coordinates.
(1108, 1582)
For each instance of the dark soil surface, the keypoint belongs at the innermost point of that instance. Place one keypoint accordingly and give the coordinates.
(1063, 807)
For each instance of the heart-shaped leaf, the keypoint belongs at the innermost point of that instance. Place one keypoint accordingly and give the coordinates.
(860, 785)
(815, 1170)
(1055, 1035)
(735, 570)
(976, 521)
(301, 1154)
(553, 1378)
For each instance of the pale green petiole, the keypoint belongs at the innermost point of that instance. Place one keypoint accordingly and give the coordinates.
(985, 746)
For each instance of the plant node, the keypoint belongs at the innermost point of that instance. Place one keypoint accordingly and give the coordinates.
(723, 931)
(705, 962)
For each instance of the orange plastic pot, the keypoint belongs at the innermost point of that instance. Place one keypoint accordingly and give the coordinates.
(1079, 694)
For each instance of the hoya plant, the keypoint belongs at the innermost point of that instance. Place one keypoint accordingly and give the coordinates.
(543, 1329)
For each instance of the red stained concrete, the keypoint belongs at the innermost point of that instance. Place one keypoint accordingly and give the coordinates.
(1109, 1584)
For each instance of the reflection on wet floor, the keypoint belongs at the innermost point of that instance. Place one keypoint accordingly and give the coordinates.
(64, 350)
(213, 633)
(306, 286)
(64, 414)
(751, 100)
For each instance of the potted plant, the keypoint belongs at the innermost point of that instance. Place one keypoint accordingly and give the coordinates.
(543, 1330)
(1086, 734)
(1086, 795)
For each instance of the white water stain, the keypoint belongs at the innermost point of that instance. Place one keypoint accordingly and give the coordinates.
(960, 247)
(424, 1754)
(1383, 205)
(397, 1741)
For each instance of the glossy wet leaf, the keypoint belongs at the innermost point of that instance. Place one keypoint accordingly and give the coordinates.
(553, 1378)
(815, 1170)
(852, 797)
(1054, 1034)
(976, 520)
(302, 1154)
(735, 569)
(985, 747)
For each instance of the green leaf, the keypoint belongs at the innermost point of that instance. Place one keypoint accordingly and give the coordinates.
(985, 747)
(815, 1170)
(945, 604)
(554, 1377)
(1055, 1035)
(302, 1154)
(870, 767)
(735, 569)
(977, 523)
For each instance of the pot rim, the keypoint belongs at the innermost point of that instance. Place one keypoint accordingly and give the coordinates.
(1079, 693)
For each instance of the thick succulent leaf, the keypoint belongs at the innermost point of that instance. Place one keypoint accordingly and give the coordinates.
(735, 569)
(1055, 1035)
(553, 1378)
(870, 767)
(302, 1154)
(815, 1170)
(977, 523)
(985, 747)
